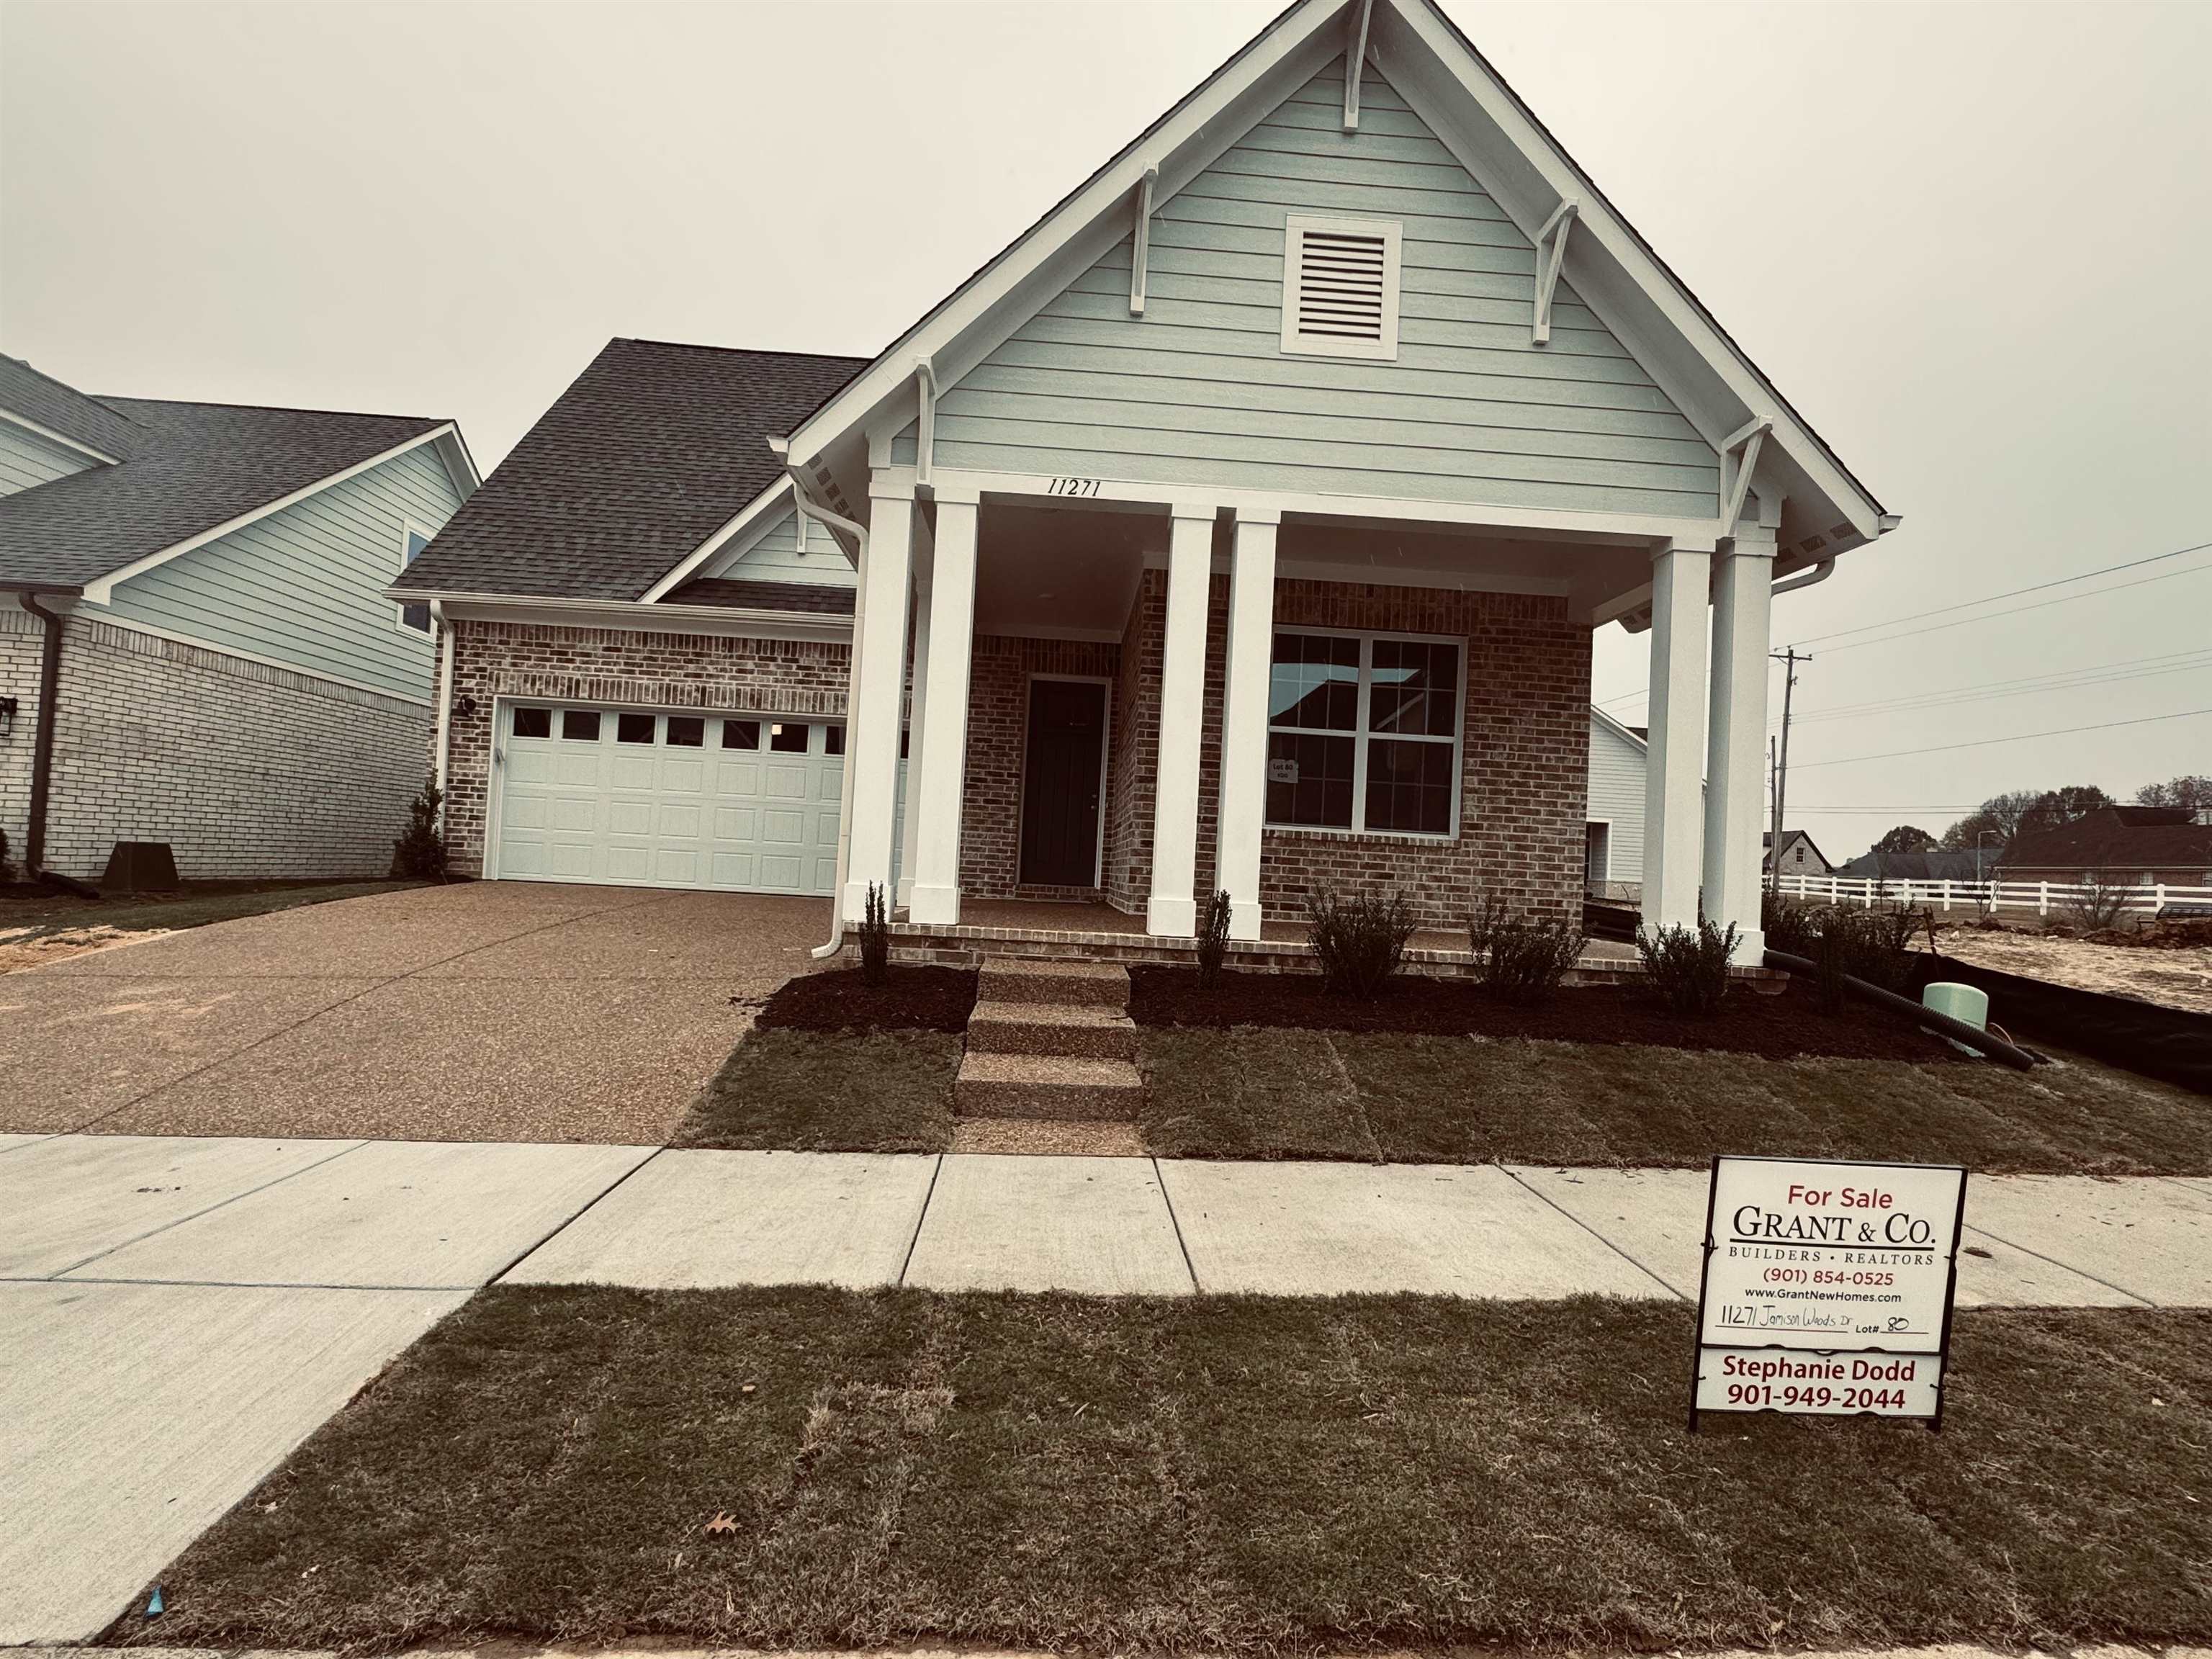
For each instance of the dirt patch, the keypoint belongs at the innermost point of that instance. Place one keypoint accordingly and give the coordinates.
(1776, 1027)
(2172, 975)
(28, 947)
(913, 998)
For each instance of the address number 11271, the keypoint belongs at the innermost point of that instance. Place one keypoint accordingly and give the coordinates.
(1073, 487)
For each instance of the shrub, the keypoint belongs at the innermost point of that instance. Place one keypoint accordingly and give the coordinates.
(2097, 904)
(1791, 925)
(1522, 961)
(1873, 945)
(1212, 940)
(876, 937)
(1687, 966)
(419, 854)
(1360, 941)
(6, 873)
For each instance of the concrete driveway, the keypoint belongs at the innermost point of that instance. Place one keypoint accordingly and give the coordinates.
(484, 1011)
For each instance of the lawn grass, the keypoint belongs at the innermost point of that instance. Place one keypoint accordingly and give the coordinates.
(820, 1091)
(29, 913)
(1255, 1093)
(1229, 1475)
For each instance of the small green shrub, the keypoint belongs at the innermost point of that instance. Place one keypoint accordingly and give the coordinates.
(1791, 925)
(1688, 968)
(419, 854)
(6, 873)
(1212, 940)
(1359, 941)
(876, 937)
(1522, 962)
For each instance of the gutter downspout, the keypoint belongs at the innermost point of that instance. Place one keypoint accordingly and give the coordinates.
(1819, 572)
(42, 744)
(829, 520)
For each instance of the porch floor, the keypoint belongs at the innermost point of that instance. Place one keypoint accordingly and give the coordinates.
(1099, 933)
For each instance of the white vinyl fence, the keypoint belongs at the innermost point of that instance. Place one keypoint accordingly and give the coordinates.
(2043, 897)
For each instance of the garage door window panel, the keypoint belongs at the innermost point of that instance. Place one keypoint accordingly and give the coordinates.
(741, 734)
(579, 724)
(533, 722)
(785, 738)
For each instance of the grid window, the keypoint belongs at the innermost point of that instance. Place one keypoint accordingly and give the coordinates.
(1364, 733)
(533, 722)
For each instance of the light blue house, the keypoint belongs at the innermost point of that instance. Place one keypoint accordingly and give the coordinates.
(196, 647)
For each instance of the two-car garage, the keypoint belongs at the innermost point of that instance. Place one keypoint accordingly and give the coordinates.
(748, 803)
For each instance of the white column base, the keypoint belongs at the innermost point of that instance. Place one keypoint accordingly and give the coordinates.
(905, 900)
(937, 907)
(856, 901)
(1750, 948)
(1243, 918)
(1172, 918)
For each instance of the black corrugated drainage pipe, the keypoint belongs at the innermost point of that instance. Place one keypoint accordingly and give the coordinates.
(42, 743)
(1981, 1042)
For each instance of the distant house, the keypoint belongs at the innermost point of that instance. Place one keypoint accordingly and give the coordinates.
(1878, 866)
(1799, 857)
(2123, 846)
(1613, 836)
(196, 644)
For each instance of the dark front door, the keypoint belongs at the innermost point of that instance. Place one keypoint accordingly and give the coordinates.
(1061, 777)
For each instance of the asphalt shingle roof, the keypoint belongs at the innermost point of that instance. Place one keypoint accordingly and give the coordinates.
(817, 598)
(64, 409)
(653, 448)
(2129, 837)
(189, 468)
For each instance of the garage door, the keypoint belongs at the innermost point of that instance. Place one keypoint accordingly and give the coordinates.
(594, 794)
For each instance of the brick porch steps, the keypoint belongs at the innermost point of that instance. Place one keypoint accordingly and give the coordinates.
(1050, 1040)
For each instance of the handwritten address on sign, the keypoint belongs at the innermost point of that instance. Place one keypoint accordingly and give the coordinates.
(1827, 1286)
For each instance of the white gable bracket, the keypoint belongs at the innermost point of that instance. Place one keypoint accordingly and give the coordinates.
(925, 428)
(1550, 255)
(1739, 457)
(1141, 240)
(1357, 18)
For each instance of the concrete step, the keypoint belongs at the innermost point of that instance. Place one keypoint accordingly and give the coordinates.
(1088, 984)
(1072, 1031)
(1048, 1086)
(1030, 1137)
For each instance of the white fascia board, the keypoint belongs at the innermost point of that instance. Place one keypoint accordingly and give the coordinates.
(102, 591)
(636, 617)
(1642, 744)
(461, 466)
(1047, 256)
(51, 436)
(1654, 314)
(748, 524)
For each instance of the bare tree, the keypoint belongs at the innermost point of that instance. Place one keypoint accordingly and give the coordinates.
(2097, 904)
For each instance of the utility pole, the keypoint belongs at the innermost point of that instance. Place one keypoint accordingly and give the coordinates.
(1792, 657)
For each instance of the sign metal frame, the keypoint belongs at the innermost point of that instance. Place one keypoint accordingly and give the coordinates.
(1942, 1355)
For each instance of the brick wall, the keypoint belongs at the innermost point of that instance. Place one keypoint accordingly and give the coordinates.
(248, 771)
(1135, 764)
(998, 733)
(615, 666)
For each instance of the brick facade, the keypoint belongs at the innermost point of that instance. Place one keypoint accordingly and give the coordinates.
(246, 770)
(614, 666)
(998, 737)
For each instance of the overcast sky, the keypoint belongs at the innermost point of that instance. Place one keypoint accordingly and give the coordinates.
(1970, 242)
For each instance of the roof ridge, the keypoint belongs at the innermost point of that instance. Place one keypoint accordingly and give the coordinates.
(29, 367)
(109, 399)
(741, 351)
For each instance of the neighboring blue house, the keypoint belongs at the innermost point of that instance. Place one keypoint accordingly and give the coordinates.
(195, 645)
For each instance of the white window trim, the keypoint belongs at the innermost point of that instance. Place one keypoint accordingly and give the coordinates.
(1295, 229)
(430, 630)
(1361, 736)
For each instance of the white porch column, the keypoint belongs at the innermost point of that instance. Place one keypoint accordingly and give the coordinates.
(917, 712)
(872, 727)
(1244, 718)
(1172, 910)
(937, 771)
(1735, 746)
(1673, 818)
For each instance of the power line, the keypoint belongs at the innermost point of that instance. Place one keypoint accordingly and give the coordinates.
(2032, 686)
(2021, 736)
(2014, 593)
(2020, 609)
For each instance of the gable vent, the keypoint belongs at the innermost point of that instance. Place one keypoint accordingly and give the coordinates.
(1340, 287)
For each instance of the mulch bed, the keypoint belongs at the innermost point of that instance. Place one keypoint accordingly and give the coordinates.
(913, 998)
(1774, 1027)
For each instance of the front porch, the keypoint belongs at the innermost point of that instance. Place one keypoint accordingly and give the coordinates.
(1125, 705)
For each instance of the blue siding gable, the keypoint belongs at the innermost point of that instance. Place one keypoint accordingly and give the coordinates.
(26, 460)
(774, 557)
(1199, 391)
(305, 586)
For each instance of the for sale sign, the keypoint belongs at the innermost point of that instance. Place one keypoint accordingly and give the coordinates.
(1827, 1286)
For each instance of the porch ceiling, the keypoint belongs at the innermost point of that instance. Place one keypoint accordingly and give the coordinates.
(1049, 572)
